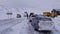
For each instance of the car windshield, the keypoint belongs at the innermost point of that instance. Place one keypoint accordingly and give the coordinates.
(45, 19)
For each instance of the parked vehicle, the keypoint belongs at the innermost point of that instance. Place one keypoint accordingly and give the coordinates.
(53, 14)
(42, 23)
(18, 16)
(48, 14)
(56, 11)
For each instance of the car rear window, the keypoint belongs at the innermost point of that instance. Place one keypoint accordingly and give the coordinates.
(45, 19)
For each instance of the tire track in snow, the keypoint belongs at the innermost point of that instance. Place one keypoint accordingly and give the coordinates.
(9, 28)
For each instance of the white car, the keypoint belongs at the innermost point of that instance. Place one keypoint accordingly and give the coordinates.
(45, 23)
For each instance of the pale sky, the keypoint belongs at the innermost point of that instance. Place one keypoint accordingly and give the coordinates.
(40, 4)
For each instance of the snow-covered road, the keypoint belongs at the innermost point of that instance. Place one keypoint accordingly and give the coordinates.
(17, 26)
(6, 24)
(20, 26)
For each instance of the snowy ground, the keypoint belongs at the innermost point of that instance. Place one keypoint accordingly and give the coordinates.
(57, 24)
(17, 26)
(7, 24)
(22, 26)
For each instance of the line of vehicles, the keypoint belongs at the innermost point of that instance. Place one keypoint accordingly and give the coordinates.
(43, 23)
(53, 13)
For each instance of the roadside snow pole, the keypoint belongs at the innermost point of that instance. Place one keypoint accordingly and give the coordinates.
(26, 14)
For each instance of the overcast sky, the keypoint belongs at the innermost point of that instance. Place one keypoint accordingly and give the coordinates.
(40, 4)
(30, 5)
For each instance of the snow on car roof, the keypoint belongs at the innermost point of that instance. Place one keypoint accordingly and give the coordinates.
(43, 16)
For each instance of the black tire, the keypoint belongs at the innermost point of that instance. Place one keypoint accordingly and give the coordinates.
(36, 29)
(30, 20)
